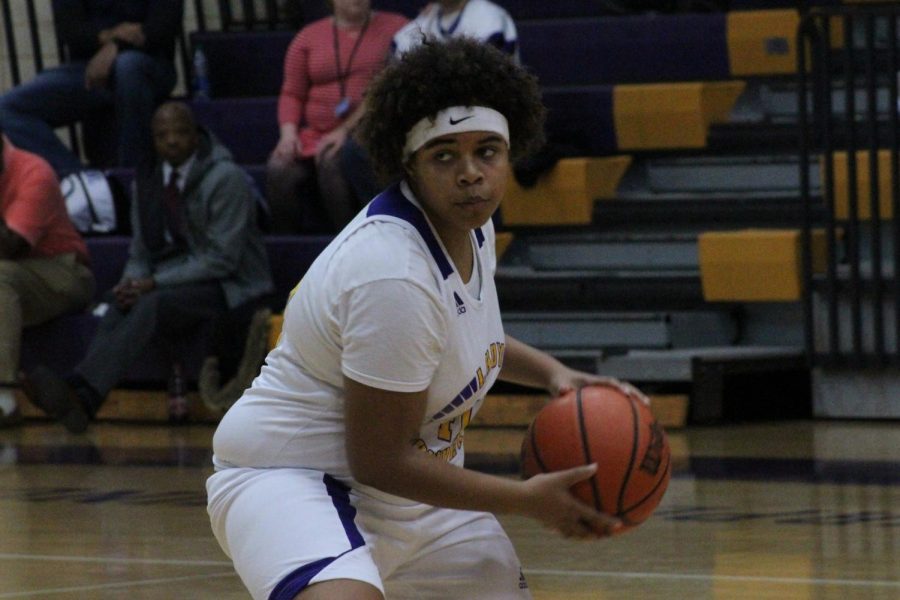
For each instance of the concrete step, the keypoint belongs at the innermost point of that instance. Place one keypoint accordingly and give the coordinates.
(738, 173)
(610, 252)
(522, 288)
(776, 102)
(579, 334)
(728, 383)
(698, 212)
(677, 364)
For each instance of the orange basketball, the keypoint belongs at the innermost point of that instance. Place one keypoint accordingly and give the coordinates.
(599, 424)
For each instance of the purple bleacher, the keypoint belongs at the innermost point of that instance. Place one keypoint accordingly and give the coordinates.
(257, 174)
(626, 49)
(244, 64)
(560, 51)
(231, 119)
(62, 342)
(108, 257)
(520, 10)
(585, 113)
(290, 256)
(247, 126)
(124, 175)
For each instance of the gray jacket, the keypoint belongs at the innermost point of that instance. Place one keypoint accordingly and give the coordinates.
(223, 242)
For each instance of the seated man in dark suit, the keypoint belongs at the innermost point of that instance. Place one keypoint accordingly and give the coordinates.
(196, 253)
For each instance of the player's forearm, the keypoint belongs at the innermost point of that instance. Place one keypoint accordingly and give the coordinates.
(525, 365)
(421, 477)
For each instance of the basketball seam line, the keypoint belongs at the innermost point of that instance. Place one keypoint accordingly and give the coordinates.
(649, 494)
(635, 438)
(534, 447)
(598, 500)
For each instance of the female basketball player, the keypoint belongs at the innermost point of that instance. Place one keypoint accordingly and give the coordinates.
(339, 472)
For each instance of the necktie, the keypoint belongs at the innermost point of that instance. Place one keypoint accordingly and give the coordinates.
(172, 198)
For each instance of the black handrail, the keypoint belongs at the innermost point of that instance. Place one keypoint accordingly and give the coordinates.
(871, 84)
(893, 106)
(804, 162)
(827, 128)
(853, 233)
(845, 309)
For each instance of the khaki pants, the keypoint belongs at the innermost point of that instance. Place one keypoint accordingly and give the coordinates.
(35, 290)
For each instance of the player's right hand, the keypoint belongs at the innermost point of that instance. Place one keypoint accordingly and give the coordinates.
(555, 506)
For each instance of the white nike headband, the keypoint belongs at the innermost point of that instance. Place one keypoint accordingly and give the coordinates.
(456, 119)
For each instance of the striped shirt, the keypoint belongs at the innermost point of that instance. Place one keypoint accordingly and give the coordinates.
(312, 88)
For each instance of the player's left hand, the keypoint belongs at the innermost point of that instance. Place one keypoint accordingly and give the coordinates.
(569, 379)
(130, 32)
(98, 69)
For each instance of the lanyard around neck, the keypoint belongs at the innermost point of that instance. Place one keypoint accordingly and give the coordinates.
(343, 75)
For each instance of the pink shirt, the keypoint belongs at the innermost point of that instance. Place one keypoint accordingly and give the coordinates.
(32, 205)
(311, 91)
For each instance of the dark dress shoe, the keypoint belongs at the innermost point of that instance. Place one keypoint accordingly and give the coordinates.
(50, 392)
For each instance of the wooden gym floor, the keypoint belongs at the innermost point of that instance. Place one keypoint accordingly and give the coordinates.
(796, 510)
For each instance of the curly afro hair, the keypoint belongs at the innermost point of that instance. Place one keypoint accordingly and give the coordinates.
(437, 75)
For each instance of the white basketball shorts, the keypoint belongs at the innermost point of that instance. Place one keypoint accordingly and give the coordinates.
(285, 529)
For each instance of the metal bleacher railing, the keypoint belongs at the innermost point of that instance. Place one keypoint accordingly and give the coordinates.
(847, 102)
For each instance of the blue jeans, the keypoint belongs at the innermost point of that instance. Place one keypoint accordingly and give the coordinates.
(57, 97)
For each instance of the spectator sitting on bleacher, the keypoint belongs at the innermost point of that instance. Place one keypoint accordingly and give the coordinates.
(120, 59)
(196, 252)
(327, 68)
(478, 19)
(43, 260)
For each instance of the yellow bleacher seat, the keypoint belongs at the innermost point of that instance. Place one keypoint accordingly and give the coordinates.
(504, 239)
(762, 42)
(565, 195)
(276, 322)
(656, 116)
(756, 265)
(863, 185)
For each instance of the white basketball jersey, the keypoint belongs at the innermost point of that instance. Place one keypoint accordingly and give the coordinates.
(383, 305)
(479, 19)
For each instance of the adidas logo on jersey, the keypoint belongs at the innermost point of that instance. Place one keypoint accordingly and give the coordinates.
(460, 306)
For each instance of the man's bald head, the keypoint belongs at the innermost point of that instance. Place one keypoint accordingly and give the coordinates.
(174, 110)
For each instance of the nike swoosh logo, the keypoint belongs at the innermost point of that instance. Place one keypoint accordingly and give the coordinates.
(458, 121)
